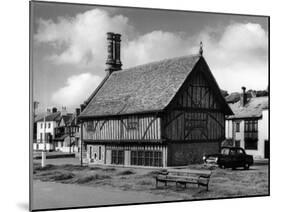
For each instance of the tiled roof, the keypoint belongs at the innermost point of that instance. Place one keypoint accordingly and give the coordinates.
(148, 87)
(68, 118)
(141, 89)
(253, 108)
(51, 117)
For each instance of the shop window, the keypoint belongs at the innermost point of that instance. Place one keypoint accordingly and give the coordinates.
(117, 156)
(146, 158)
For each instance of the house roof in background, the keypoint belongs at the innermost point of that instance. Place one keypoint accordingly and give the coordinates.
(253, 108)
(51, 117)
(68, 118)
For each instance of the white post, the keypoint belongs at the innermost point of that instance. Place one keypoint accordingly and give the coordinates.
(44, 144)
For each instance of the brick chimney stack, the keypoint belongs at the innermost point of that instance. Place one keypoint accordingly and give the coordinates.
(243, 97)
(113, 61)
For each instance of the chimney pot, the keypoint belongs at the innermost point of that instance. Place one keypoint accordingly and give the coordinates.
(113, 61)
(54, 110)
(243, 97)
(77, 111)
(82, 107)
(110, 57)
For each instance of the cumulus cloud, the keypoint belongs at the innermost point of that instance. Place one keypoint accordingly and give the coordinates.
(154, 46)
(239, 56)
(236, 54)
(77, 89)
(81, 40)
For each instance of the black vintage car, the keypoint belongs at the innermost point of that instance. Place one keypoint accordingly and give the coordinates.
(230, 157)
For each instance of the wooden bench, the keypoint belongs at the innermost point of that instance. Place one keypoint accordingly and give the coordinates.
(184, 176)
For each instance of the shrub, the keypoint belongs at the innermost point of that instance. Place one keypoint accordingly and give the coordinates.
(37, 167)
(126, 172)
(87, 179)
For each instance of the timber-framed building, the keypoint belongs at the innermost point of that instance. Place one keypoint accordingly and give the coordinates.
(166, 113)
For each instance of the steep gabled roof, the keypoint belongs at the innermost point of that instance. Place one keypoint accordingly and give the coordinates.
(51, 117)
(253, 108)
(141, 89)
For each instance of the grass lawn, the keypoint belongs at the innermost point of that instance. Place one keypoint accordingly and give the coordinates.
(223, 183)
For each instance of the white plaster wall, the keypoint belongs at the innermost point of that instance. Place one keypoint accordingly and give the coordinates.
(108, 156)
(95, 150)
(53, 124)
(40, 146)
(228, 129)
(240, 135)
(262, 136)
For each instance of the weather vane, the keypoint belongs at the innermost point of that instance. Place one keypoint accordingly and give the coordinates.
(201, 48)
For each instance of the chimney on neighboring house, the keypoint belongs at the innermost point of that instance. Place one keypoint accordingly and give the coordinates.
(243, 97)
(113, 61)
(82, 107)
(77, 111)
(54, 110)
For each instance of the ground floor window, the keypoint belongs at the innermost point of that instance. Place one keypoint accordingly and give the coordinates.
(117, 156)
(251, 143)
(146, 158)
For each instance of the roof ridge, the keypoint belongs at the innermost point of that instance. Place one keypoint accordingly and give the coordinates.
(155, 62)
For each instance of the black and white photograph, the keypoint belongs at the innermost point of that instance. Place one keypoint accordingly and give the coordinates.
(133, 105)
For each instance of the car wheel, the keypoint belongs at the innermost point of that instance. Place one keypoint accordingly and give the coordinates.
(246, 166)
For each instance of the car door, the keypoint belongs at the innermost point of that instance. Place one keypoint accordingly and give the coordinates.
(234, 161)
(240, 157)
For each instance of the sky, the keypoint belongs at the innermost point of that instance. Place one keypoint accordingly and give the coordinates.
(69, 48)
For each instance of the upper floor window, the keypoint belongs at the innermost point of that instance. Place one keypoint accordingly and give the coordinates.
(251, 125)
(49, 125)
(132, 123)
(251, 134)
(41, 125)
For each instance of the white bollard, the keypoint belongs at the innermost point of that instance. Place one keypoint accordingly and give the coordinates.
(43, 159)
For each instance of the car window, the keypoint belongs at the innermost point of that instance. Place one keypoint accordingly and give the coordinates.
(232, 152)
(240, 151)
(225, 151)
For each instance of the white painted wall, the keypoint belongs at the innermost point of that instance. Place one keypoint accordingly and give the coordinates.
(95, 152)
(50, 126)
(40, 129)
(262, 134)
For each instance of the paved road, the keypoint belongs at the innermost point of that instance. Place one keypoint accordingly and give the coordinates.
(56, 195)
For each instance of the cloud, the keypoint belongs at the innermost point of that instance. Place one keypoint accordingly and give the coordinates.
(80, 40)
(236, 54)
(153, 46)
(77, 89)
(239, 57)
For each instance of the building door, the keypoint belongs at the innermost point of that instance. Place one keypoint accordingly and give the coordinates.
(266, 149)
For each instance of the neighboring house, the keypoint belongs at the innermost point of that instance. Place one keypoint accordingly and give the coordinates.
(165, 113)
(248, 127)
(67, 133)
(51, 121)
(37, 117)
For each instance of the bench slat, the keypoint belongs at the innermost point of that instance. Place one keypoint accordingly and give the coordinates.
(200, 177)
